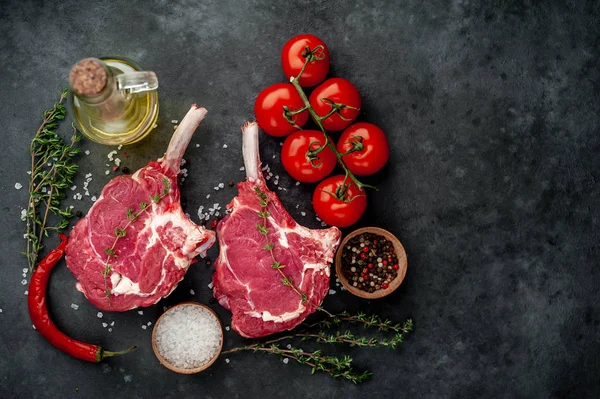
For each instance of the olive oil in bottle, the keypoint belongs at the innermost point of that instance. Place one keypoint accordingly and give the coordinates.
(113, 101)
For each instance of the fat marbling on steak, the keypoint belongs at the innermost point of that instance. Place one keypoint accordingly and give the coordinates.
(244, 281)
(159, 246)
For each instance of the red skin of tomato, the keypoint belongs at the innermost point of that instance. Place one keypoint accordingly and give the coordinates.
(268, 109)
(342, 92)
(372, 157)
(292, 60)
(296, 163)
(336, 212)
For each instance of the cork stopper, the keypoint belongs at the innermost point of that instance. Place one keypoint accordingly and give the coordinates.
(88, 77)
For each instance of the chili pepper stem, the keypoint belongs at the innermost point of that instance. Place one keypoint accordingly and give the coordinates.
(103, 354)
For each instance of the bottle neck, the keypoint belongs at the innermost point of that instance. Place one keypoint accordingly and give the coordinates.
(93, 83)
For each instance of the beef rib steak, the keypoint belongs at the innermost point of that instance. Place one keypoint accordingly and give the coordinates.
(244, 281)
(158, 246)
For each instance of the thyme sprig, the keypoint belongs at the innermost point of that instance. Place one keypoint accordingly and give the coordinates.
(120, 232)
(263, 229)
(52, 171)
(337, 367)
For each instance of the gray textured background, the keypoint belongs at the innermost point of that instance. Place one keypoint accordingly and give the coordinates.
(492, 186)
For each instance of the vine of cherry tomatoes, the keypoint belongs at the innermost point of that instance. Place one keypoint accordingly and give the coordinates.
(309, 156)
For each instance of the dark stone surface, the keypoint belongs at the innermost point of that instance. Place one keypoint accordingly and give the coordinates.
(492, 115)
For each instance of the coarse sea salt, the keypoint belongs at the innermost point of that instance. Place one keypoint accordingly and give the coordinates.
(188, 336)
(99, 315)
(74, 306)
(18, 186)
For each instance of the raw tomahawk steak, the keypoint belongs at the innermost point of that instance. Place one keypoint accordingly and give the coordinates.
(244, 281)
(159, 246)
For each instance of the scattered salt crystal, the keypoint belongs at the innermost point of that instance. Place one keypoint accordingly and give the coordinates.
(23, 214)
(274, 156)
(127, 378)
(87, 175)
(144, 326)
(210, 286)
(140, 312)
(286, 360)
(44, 189)
(117, 161)
(192, 292)
(207, 196)
(106, 172)
(297, 183)
(25, 270)
(188, 336)
(242, 168)
(279, 188)
(289, 346)
(110, 330)
(94, 198)
(227, 360)
(265, 167)
(303, 213)
(281, 143)
(99, 315)
(0, 310)
(182, 162)
(87, 152)
(221, 185)
(33, 327)
(297, 206)
(271, 174)
(318, 218)
(332, 292)
(26, 292)
(323, 224)
(73, 188)
(268, 177)
(197, 145)
(23, 282)
(18, 186)
(227, 328)
(216, 188)
(119, 147)
(149, 323)
(74, 306)
(224, 145)
(111, 154)
(174, 121)
(24, 275)
(112, 324)
(29, 172)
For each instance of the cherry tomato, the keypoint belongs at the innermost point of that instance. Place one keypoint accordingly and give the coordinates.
(335, 211)
(344, 94)
(293, 57)
(269, 111)
(296, 162)
(375, 152)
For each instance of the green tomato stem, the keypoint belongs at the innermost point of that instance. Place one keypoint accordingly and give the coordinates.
(328, 142)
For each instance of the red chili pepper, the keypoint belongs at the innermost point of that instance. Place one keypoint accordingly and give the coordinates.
(38, 311)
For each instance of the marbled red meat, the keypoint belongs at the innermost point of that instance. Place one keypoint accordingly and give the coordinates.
(244, 281)
(158, 247)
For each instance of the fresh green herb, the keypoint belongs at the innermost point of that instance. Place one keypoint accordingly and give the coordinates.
(120, 232)
(269, 246)
(337, 367)
(52, 172)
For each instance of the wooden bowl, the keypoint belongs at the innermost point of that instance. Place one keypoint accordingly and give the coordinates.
(400, 254)
(176, 369)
